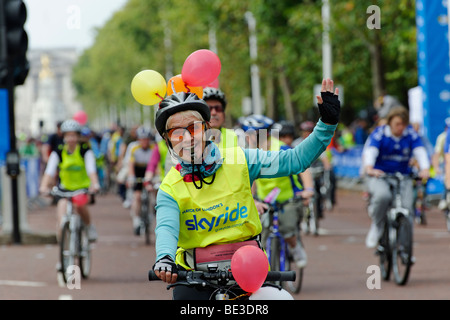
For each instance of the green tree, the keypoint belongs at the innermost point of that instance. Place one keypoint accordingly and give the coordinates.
(150, 34)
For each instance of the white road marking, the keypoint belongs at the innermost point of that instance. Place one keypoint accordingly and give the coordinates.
(22, 283)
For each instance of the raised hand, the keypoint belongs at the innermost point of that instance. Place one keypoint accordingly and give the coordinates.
(328, 102)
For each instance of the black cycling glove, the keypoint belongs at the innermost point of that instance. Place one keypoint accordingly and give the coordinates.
(330, 108)
(165, 264)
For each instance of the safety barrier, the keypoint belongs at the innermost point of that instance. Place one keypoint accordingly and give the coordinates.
(30, 166)
(347, 164)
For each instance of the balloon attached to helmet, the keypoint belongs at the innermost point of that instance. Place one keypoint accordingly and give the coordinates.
(176, 84)
(185, 91)
(201, 68)
(148, 87)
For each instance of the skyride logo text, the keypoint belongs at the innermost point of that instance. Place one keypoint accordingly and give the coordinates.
(219, 222)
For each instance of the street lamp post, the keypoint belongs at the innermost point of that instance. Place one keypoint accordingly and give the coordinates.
(326, 44)
(254, 70)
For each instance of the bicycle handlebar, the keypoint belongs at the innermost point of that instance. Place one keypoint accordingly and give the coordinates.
(68, 193)
(400, 176)
(146, 181)
(198, 277)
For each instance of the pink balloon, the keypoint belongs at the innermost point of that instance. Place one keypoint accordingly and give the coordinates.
(249, 266)
(81, 117)
(201, 68)
(214, 84)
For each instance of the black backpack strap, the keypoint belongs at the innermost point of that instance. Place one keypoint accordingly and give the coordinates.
(84, 148)
(59, 151)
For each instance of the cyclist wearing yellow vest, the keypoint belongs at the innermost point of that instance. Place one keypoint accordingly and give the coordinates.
(206, 199)
(216, 101)
(156, 162)
(77, 170)
(261, 132)
(223, 137)
(140, 154)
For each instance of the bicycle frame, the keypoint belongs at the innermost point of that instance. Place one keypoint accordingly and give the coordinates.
(72, 226)
(398, 252)
(145, 212)
(275, 233)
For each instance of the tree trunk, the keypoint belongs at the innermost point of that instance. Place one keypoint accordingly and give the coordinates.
(270, 97)
(288, 107)
(376, 63)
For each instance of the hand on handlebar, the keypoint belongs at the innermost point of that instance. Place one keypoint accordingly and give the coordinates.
(261, 206)
(131, 180)
(375, 172)
(148, 185)
(166, 269)
(44, 191)
(94, 188)
(424, 174)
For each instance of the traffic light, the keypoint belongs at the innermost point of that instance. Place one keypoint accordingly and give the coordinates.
(13, 17)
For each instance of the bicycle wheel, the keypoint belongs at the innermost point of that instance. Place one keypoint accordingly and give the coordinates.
(294, 286)
(145, 219)
(447, 219)
(420, 207)
(84, 253)
(274, 254)
(313, 217)
(384, 253)
(67, 254)
(402, 251)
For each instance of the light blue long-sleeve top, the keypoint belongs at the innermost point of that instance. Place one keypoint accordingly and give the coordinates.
(291, 161)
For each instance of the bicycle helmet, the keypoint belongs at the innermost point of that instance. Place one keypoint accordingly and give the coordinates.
(307, 125)
(284, 128)
(177, 102)
(85, 131)
(256, 122)
(70, 126)
(143, 133)
(214, 93)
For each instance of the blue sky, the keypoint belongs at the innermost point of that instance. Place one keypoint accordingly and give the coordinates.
(66, 23)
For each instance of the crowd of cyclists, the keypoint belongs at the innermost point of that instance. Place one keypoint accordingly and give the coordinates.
(181, 161)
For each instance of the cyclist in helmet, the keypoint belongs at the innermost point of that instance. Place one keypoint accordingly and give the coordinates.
(265, 136)
(321, 169)
(75, 164)
(140, 154)
(206, 199)
(216, 101)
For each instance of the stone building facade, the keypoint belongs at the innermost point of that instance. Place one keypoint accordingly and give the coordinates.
(48, 95)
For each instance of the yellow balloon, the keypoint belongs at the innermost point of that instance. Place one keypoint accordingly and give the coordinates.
(148, 87)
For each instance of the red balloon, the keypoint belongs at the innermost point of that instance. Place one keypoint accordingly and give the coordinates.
(201, 68)
(214, 84)
(81, 117)
(249, 266)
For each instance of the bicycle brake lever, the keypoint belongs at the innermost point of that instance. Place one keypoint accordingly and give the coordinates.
(188, 284)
